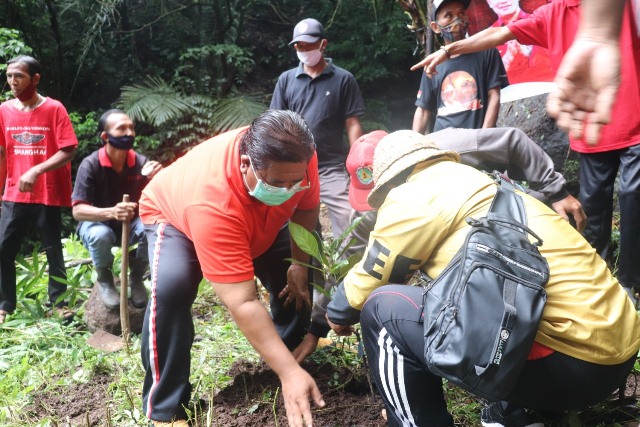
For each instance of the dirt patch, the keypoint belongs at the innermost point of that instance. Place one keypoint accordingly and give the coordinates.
(255, 398)
(78, 405)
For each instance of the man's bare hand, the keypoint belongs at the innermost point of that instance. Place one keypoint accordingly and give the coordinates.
(341, 330)
(28, 180)
(151, 168)
(297, 388)
(430, 62)
(305, 348)
(124, 211)
(586, 89)
(570, 206)
(296, 291)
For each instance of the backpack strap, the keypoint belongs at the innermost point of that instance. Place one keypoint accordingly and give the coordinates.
(506, 203)
(507, 208)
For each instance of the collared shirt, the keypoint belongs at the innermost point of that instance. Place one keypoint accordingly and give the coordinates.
(99, 185)
(325, 102)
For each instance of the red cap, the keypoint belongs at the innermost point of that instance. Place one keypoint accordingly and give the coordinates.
(360, 168)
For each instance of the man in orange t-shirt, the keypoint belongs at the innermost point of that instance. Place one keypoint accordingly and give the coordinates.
(221, 212)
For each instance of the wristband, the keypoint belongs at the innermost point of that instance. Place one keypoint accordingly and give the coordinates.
(445, 50)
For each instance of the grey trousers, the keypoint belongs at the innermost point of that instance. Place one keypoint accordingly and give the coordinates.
(334, 193)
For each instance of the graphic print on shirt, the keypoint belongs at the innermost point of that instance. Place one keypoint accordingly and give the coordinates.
(26, 138)
(459, 92)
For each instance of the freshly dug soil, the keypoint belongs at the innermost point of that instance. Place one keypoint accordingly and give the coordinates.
(249, 401)
(255, 398)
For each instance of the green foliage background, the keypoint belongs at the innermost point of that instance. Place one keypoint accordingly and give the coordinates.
(186, 70)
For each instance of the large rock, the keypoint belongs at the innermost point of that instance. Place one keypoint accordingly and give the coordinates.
(99, 317)
(530, 115)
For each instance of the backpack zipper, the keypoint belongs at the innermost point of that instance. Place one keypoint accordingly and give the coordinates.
(486, 249)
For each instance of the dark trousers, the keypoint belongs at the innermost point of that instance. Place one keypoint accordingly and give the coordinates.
(15, 220)
(393, 338)
(597, 178)
(168, 332)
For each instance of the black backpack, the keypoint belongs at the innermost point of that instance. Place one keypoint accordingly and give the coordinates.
(482, 313)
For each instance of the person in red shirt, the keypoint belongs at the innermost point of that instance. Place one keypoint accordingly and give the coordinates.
(617, 148)
(37, 144)
(524, 63)
(221, 211)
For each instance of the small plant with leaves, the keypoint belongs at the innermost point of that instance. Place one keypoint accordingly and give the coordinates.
(329, 253)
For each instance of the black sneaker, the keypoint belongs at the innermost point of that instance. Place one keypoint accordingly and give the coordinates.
(494, 416)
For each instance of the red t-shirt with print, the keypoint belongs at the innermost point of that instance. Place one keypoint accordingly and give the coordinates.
(30, 138)
(554, 27)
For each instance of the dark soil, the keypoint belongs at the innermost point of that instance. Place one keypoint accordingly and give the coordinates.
(81, 405)
(254, 399)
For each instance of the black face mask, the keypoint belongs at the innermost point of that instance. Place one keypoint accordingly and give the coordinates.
(455, 31)
(124, 142)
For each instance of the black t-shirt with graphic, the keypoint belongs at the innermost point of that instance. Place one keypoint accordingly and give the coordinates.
(459, 90)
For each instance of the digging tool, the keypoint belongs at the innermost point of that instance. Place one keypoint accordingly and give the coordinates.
(106, 341)
(124, 279)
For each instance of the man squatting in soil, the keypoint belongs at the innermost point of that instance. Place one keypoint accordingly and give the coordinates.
(221, 212)
(502, 149)
(588, 337)
(103, 178)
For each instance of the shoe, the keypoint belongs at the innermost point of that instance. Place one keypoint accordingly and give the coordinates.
(139, 296)
(108, 294)
(493, 415)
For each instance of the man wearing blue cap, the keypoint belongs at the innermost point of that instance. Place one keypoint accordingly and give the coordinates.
(329, 100)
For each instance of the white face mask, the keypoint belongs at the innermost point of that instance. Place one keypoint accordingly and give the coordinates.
(310, 58)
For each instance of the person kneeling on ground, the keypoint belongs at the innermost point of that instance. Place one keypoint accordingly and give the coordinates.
(504, 149)
(589, 334)
(103, 178)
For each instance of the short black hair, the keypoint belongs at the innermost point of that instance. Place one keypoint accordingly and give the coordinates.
(32, 64)
(278, 136)
(102, 123)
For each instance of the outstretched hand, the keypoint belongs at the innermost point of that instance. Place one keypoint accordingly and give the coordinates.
(586, 88)
(430, 62)
(297, 388)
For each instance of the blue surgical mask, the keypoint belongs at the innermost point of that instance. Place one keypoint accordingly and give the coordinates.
(270, 195)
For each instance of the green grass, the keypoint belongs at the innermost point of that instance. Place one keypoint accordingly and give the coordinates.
(40, 355)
